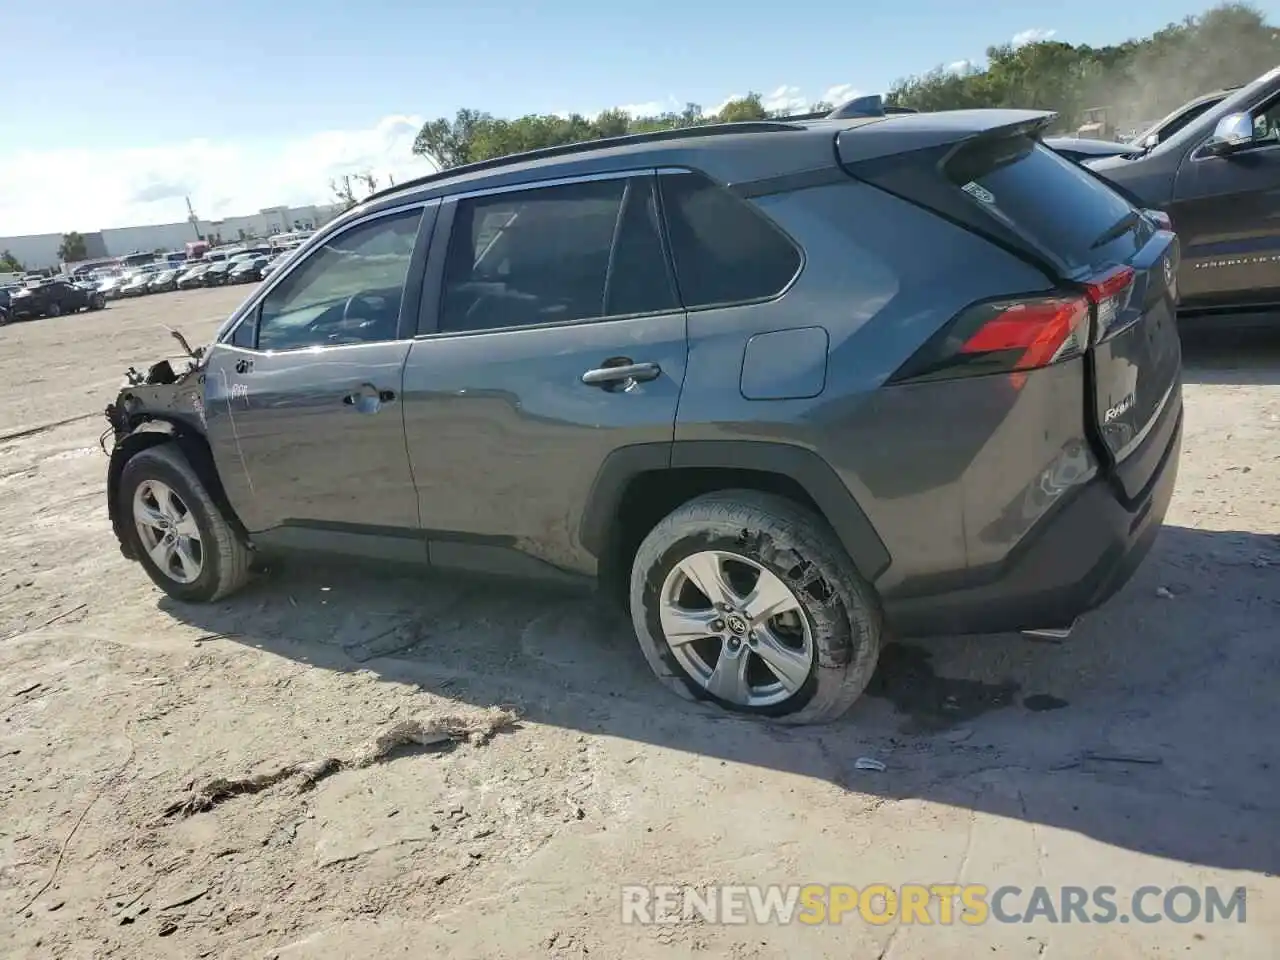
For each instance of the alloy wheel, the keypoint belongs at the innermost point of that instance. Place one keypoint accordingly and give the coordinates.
(168, 531)
(736, 628)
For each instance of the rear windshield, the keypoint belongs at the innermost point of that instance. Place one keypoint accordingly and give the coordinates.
(1056, 206)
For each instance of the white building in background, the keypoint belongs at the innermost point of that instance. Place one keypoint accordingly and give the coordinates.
(40, 251)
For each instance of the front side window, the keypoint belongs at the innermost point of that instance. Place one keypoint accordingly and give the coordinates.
(348, 290)
(579, 251)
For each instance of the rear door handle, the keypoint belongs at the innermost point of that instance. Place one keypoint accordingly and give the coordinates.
(622, 373)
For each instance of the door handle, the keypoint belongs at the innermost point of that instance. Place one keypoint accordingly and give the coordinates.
(621, 373)
(368, 399)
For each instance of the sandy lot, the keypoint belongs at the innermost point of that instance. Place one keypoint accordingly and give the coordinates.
(1141, 752)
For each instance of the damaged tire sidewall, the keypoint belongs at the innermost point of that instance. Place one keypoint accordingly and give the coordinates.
(834, 621)
(151, 464)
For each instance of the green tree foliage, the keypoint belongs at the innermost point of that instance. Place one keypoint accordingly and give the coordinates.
(10, 264)
(473, 135)
(72, 248)
(1138, 80)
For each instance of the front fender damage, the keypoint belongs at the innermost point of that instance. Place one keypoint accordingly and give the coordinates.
(160, 406)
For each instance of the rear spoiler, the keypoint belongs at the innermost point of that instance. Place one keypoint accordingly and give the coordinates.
(909, 156)
(945, 131)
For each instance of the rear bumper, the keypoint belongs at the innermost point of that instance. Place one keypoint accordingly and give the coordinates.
(1074, 562)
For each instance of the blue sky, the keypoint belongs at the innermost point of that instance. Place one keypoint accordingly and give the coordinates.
(233, 100)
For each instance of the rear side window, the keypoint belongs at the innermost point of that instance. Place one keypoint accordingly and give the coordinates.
(724, 250)
(1045, 198)
(580, 251)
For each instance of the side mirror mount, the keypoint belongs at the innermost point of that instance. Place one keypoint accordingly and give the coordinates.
(1149, 141)
(1233, 132)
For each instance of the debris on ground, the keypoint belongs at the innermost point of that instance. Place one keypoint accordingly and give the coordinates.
(1124, 757)
(1040, 702)
(475, 727)
(1164, 592)
(869, 763)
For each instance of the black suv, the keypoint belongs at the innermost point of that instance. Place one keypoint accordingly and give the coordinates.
(782, 387)
(52, 298)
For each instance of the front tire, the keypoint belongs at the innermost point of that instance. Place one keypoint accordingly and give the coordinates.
(176, 531)
(749, 601)
(55, 310)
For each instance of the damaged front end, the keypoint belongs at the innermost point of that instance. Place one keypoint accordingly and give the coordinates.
(162, 405)
(160, 395)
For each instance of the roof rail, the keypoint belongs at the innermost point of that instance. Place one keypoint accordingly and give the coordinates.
(588, 146)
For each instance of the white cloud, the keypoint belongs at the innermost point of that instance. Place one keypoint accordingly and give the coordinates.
(1034, 35)
(960, 66)
(652, 108)
(840, 93)
(786, 99)
(85, 189)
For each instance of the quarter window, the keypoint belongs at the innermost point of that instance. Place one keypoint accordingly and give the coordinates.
(347, 291)
(579, 251)
(724, 250)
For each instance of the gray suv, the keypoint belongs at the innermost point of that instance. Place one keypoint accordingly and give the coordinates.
(783, 388)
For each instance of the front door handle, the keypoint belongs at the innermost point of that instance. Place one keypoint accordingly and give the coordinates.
(368, 399)
(621, 373)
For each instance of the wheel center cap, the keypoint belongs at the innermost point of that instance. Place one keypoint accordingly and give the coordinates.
(736, 624)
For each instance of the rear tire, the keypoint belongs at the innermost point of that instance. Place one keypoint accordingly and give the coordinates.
(55, 310)
(158, 484)
(766, 553)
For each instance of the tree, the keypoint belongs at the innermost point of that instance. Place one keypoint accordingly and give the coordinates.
(1138, 80)
(345, 193)
(72, 248)
(10, 264)
(743, 109)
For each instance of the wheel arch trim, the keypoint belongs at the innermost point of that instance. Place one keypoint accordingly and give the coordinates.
(804, 467)
(194, 447)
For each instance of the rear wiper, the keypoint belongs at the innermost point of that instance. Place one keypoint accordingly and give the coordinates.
(1118, 229)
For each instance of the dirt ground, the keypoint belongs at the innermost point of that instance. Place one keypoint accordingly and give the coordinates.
(1141, 751)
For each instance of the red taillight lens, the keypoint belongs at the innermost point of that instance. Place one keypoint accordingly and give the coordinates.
(1110, 295)
(1039, 332)
(1006, 336)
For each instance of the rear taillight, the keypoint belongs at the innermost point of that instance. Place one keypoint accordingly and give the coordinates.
(1109, 293)
(1004, 336)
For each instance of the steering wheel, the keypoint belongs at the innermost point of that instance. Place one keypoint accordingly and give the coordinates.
(346, 309)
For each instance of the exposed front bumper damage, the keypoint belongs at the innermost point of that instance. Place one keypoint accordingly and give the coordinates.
(160, 406)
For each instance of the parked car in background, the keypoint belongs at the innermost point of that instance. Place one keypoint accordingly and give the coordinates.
(789, 388)
(110, 286)
(247, 270)
(163, 281)
(1216, 180)
(193, 277)
(136, 285)
(53, 298)
(217, 274)
(1082, 148)
(272, 264)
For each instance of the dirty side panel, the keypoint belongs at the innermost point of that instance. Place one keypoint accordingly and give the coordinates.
(880, 277)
